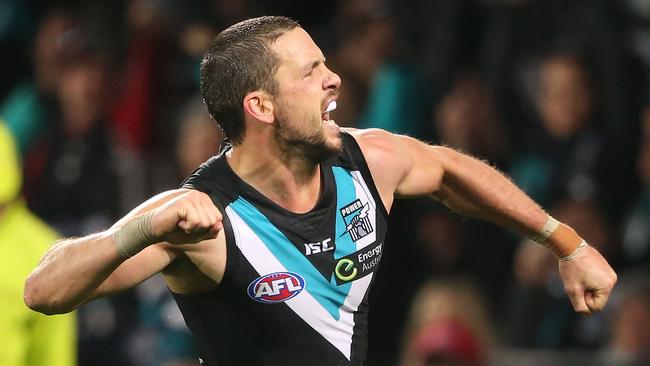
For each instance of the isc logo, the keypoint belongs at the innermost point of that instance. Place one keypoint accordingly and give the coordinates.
(318, 247)
(276, 287)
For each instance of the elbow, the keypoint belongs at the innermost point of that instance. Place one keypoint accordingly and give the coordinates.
(38, 300)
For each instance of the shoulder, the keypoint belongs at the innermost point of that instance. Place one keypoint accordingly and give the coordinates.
(374, 141)
(402, 164)
(382, 149)
(385, 156)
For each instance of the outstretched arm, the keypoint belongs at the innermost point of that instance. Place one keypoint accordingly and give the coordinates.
(76, 270)
(403, 166)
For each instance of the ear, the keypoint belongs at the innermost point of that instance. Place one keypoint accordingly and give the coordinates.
(259, 105)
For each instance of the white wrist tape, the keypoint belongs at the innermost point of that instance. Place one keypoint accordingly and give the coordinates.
(548, 229)
(134, 236)
(569, 257)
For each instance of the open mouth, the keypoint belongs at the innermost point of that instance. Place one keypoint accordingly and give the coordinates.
(330, 107)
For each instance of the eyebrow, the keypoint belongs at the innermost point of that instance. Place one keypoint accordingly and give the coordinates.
(315, 64)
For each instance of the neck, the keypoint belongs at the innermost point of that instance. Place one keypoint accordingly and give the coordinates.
(284, 176)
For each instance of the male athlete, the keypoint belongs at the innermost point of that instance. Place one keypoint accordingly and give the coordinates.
(270, 247)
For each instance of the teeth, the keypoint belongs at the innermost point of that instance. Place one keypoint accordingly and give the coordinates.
(330, 107)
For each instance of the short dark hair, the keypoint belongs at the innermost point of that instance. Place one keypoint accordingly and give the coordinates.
(239, 61)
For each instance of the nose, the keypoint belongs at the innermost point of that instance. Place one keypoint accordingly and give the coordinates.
(332, 81)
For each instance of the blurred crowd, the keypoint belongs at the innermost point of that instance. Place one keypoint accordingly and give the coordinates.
(101, 99)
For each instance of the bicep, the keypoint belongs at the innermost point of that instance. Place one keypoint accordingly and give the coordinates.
(423, 168)
(400, 165)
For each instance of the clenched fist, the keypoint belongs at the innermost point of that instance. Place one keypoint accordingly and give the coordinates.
(188, 218)
(588, 280)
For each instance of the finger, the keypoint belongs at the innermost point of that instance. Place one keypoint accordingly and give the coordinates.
(596, 300)
(204, 218)
(190, 219)
(211, 212)
(577, 297)
(204, 206)
(214, 230)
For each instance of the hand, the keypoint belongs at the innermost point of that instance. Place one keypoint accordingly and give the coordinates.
(188, 218)
(588, 280)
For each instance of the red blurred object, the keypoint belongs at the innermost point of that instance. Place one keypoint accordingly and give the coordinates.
(448, 339)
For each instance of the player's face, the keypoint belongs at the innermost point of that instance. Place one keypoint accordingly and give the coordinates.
(306, 88)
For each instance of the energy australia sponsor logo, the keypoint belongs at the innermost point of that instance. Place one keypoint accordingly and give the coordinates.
(358, 264)
(276, 287)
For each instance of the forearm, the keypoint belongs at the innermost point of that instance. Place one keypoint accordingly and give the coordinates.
(77, 270)
(475, 189)
(70, 272)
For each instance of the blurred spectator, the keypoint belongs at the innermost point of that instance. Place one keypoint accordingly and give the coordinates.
(465, 118)
(388, 88)
(441, 238)
(570, 153)
(71, 183)
(448, 325)
(516, 32)
(30, 339)
(445, 37)
(445, 342)
(30, 105)
(198, 137)
(366, 39)
(134, 116)
(636, 234)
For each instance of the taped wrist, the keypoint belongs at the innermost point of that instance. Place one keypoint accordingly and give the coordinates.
(134, 236)
(549, 227)
(575, 252)
(560, 238)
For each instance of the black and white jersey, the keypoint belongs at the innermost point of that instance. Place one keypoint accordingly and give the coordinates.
(295, 286)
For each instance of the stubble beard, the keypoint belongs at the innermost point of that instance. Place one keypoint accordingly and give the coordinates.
(313, 147)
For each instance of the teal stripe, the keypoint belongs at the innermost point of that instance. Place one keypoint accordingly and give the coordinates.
(330, 296)
(345, 194)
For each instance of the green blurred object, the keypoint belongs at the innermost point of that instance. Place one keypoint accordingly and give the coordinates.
(30, 338)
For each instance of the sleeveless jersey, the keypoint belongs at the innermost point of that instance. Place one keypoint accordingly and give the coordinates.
(295, 286)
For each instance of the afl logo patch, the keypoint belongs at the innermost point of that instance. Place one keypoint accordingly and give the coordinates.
(276, 287)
